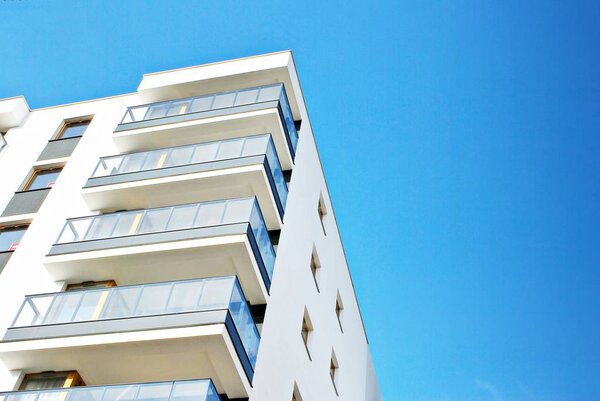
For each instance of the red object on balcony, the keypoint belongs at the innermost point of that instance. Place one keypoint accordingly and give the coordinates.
(13, 246)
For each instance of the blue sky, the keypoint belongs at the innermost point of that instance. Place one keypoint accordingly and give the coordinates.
(461, 145)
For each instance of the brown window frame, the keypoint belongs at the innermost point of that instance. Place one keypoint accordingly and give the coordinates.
(36, 171)
(73, 378)
(71, 122)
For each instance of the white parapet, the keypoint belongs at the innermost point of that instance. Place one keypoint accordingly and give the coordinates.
(12, 112)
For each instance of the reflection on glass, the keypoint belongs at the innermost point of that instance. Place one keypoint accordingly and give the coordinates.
(196, 390)
(196, 154)
(205, 214)
(145, 300)
(216, 101)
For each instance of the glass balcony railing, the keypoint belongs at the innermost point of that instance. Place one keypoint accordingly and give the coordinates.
(208, 294)
(197, 154)
(188, 390)
(174, 218)
(218, 101)
(2, 142)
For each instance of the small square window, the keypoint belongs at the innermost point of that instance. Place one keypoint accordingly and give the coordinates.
(10, 237)
(306, 331)
(334, 371)
(322, 210)
(296, 394)
(315, 267)
(73, 129)
(339, 310)
(41, 179)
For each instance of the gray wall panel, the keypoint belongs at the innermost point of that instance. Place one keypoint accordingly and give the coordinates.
(59, 148)
(4, 257)
(26, 202)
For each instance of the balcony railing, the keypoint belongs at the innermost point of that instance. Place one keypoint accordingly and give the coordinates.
(218, 101)
(197, 154)
(174, 218)
(2, 142)
(209, 294)
(188, 390)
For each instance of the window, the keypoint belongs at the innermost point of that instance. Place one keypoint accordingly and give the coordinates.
(315, 267)
(296, 394)
(339, 309)
(2, 141)
(334, 371)
(88, 285)
(46, 380)
(306, 331)
(73, 129)
(10, 237)
(41, 179)
(322, 210)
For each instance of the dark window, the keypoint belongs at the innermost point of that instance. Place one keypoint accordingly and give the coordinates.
(47, 380)
(10, 237)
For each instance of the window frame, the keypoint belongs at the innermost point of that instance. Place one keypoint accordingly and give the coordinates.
(14, 245)
(322, 212)
(34, 173)
(308, 328)
(72, 378)
(58, 136)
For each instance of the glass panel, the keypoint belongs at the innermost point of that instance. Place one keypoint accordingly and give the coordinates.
(63, 308)
(262, 239)
(237, 211)
(156, 111)
(10, 237)
(73, 130)
(120, 393)
(43, 179)
(101, 227)
(132, 162)
(246, 96)
(205, 152)
(201, 104)
(122, 302)
(86, 394)
(139, 113)
(216, 293)
(127, 224)
(91, 305)
(155, 159)
(153, 300)
(154, 392)
(178, 108)
(189, 391)
(269, 93)
(155, 220)
(244, 323)
(256, 145)
(179, 156)
(28, 316)
(53, 396)
(223, 100)
(210, 214)
(185, 296)
(182, 217)
(230, 149)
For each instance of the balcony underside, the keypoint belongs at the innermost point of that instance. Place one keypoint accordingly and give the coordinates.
(234, 178)
(204, 127)
(169, 256)
(175, 353)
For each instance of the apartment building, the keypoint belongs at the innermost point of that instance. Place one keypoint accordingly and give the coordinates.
(176, 243)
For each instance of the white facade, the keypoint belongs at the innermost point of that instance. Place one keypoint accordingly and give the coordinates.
(152, 346)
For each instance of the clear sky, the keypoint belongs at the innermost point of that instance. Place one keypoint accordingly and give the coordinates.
(461, 145)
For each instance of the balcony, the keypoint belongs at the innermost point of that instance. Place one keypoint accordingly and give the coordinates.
(188, 390)
(207, 239)
(259, 110)
(209, 171)
(196, 328)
